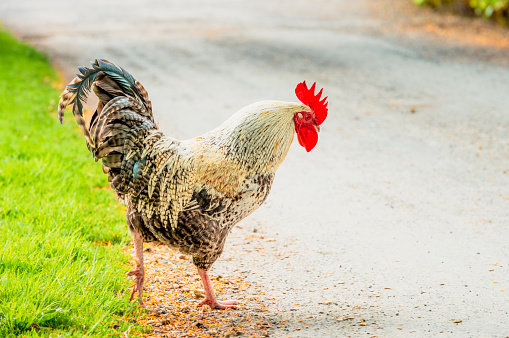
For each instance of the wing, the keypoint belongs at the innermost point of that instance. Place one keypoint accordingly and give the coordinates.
(170, 176)
(226, 210)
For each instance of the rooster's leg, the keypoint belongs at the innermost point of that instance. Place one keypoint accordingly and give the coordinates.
(210, 297)
(138, 272)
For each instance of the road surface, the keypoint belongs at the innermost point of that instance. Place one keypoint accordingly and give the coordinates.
(397, 222)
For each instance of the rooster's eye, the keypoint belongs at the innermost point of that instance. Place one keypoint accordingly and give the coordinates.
(308, 117)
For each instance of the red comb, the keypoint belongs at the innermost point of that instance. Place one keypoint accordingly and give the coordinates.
(308, 97)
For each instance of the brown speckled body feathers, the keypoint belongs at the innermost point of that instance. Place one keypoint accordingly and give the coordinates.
(185, 194)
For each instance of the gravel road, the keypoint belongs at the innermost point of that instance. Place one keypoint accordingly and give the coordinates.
(397, 223)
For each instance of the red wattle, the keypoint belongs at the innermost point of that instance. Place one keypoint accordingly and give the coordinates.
(307, 136)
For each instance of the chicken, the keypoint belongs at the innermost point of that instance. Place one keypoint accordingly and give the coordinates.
(187, 194)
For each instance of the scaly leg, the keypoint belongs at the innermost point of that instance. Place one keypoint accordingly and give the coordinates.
(210, 297)
(138, 272)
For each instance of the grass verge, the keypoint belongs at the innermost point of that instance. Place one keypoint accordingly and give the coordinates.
(497, 10)
(62, 262)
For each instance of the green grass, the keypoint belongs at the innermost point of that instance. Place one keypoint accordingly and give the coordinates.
(62, 233)
(497, 10)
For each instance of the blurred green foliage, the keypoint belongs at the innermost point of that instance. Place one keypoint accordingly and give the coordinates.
(497, 10)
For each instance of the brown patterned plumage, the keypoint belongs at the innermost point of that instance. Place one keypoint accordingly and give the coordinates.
(185, 194)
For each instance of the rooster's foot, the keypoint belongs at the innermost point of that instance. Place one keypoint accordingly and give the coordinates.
(210, 297)
(139, 277)
(215, 304)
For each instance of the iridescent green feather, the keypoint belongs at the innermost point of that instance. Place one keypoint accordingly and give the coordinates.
(88, 75)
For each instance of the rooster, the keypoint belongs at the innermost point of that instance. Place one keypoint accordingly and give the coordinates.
(187, 194)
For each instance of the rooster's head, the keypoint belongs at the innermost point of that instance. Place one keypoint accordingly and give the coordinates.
(307, 123)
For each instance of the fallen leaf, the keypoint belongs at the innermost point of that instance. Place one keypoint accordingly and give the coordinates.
(199, 293)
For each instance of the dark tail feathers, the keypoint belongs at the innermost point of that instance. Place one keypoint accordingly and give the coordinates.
(122, 118)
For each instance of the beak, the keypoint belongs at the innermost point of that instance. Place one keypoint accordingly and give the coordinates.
(317, 128)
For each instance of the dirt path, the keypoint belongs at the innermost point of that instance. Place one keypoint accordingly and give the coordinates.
(397, 223)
